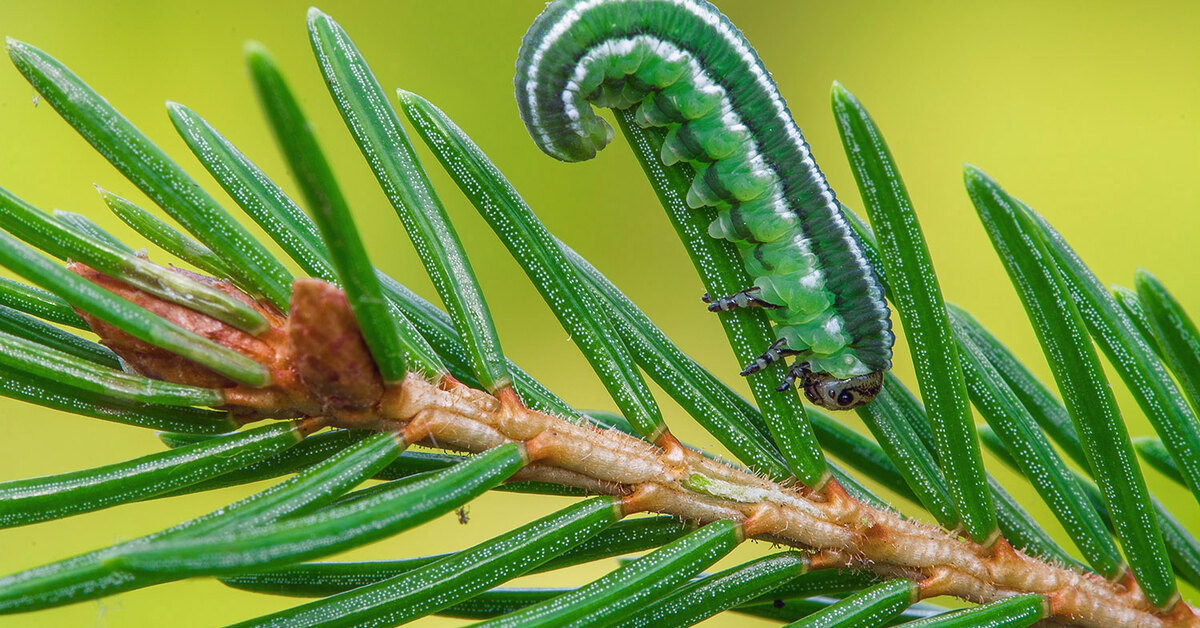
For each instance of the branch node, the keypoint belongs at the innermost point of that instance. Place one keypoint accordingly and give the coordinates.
(510, 402)
(941, 582)
(644, 498)
(673, 451)
(417, 429)
(544, 446)
(763, 518)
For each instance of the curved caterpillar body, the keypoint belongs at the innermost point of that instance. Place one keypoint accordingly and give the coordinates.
(686, 68)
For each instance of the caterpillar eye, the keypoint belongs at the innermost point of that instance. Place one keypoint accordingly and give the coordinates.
(845, 398)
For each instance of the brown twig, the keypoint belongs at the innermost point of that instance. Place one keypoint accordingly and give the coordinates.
(841, 531)
(321, 368)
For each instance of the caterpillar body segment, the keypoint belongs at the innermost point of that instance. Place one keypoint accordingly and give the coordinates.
(684, 67)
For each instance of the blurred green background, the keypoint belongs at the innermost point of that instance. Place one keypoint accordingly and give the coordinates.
(1086, 110)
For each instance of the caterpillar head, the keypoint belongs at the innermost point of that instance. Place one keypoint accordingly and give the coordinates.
(842, 394)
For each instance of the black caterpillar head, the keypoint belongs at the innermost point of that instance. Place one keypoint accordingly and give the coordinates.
(842, 394)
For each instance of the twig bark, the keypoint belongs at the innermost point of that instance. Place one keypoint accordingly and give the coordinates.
(316, 377)
(840, 530)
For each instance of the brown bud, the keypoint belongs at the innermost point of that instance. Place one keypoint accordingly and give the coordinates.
(319, 362)
(161, 364)
(328, 350)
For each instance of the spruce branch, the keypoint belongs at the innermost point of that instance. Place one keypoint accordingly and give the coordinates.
(841, 531)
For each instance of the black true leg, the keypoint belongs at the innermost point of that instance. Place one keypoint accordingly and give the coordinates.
(777, 351)
(746, 298)
(798, 371)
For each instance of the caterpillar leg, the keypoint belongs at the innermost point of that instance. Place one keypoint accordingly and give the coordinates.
(746, 298)
(798, 371)
(777, 351)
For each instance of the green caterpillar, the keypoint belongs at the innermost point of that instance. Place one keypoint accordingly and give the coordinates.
(687, 69)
